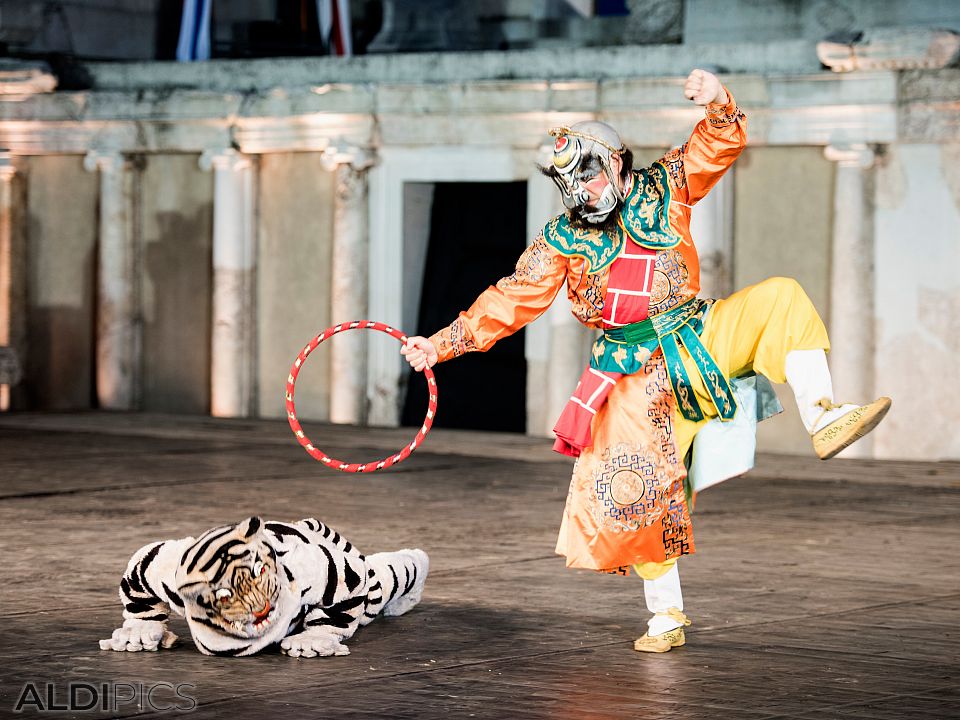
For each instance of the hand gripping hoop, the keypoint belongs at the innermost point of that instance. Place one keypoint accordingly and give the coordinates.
(321, 456)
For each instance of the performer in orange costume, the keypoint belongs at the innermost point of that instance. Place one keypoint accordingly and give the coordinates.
(667, 363)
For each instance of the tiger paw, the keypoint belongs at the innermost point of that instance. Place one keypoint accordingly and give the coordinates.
(313, 643)
(137, 635)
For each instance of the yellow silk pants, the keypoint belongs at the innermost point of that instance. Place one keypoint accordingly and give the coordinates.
(753, 329)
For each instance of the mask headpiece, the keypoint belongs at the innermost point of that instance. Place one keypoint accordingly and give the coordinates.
(580, 153)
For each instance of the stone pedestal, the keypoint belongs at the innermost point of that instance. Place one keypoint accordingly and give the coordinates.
(349, 288)
(231, 344)
(117, 353)
(852, 281)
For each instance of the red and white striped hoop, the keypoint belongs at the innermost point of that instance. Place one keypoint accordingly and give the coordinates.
(320, 455)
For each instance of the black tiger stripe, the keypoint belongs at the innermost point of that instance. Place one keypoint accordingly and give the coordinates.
(159, 617)
(296, 625)
(406, 580)
(145, 563)
(221, 553)
(221, 653)
(281, 530)
(173, 597)
(134, 581)
(203, 602)
(336, 537)
(139, 606)
(208, 622)
(374, 587)
(350, 576)
(331, 587)
(288, 573)
(396, 584)
(125, 586)
(347, 547)
(146, 585)
(371, 572)
(252, 527)
(412, 582)
(203, 548)
(307, 589)
(227, 563)
(337, 621)
(372, 616)
(347, 604)
(326, 531)
(374, 601)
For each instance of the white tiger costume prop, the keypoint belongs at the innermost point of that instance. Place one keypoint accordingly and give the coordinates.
(244, 587)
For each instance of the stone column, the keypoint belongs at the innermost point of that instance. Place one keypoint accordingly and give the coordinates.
(711, 225)
(231, 342)
(117, 352)
(349, 287)
(852, 281)
(11, 309)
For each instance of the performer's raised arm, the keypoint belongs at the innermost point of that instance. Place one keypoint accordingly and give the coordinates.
(501, 309)
(716, 141)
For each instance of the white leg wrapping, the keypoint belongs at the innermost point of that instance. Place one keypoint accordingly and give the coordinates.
(661, 595)
(809, 378)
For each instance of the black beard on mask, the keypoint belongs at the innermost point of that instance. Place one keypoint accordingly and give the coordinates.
(609, 225)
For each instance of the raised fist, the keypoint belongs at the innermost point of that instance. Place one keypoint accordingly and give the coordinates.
(704, 88)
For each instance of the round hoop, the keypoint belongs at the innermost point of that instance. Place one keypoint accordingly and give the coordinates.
(321, 456)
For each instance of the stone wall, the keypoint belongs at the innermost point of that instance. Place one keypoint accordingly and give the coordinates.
(293, 281)
(175, 287)
(61, 283)
(918, 299)
(331, 161)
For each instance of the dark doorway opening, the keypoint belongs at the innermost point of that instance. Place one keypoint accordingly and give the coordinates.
(477, 232)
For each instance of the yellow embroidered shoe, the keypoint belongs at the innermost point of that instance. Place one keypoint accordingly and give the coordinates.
(847, 429)
(664, 641)
(660, 643)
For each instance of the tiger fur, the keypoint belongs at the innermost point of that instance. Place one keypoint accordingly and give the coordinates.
(247, 586)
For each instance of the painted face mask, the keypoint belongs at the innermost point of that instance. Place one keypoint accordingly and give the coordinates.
(581, 152)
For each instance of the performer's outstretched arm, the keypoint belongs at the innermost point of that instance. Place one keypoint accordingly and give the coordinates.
(716, 141)
(501, 309)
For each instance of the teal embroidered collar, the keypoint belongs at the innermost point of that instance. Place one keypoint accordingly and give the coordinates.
(644, 219)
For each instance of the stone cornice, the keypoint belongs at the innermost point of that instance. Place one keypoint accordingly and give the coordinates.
(562, 63)
(814, 109)
(20, 79)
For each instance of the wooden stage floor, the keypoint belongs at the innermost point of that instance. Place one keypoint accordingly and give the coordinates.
(819, 590)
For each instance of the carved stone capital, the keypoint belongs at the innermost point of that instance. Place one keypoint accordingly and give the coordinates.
(7, 168)
(20, 79)
(103, 161)
(223, 159)
(854, 155)
(339, 153)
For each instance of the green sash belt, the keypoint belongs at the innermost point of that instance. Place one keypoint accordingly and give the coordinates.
(626, 349)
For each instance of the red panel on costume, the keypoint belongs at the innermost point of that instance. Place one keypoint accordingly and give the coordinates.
(628, 289)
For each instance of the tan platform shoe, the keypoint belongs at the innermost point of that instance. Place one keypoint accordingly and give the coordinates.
(849, 428)
(665, 641)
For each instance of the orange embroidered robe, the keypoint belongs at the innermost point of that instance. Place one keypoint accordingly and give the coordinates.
(626, 502)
